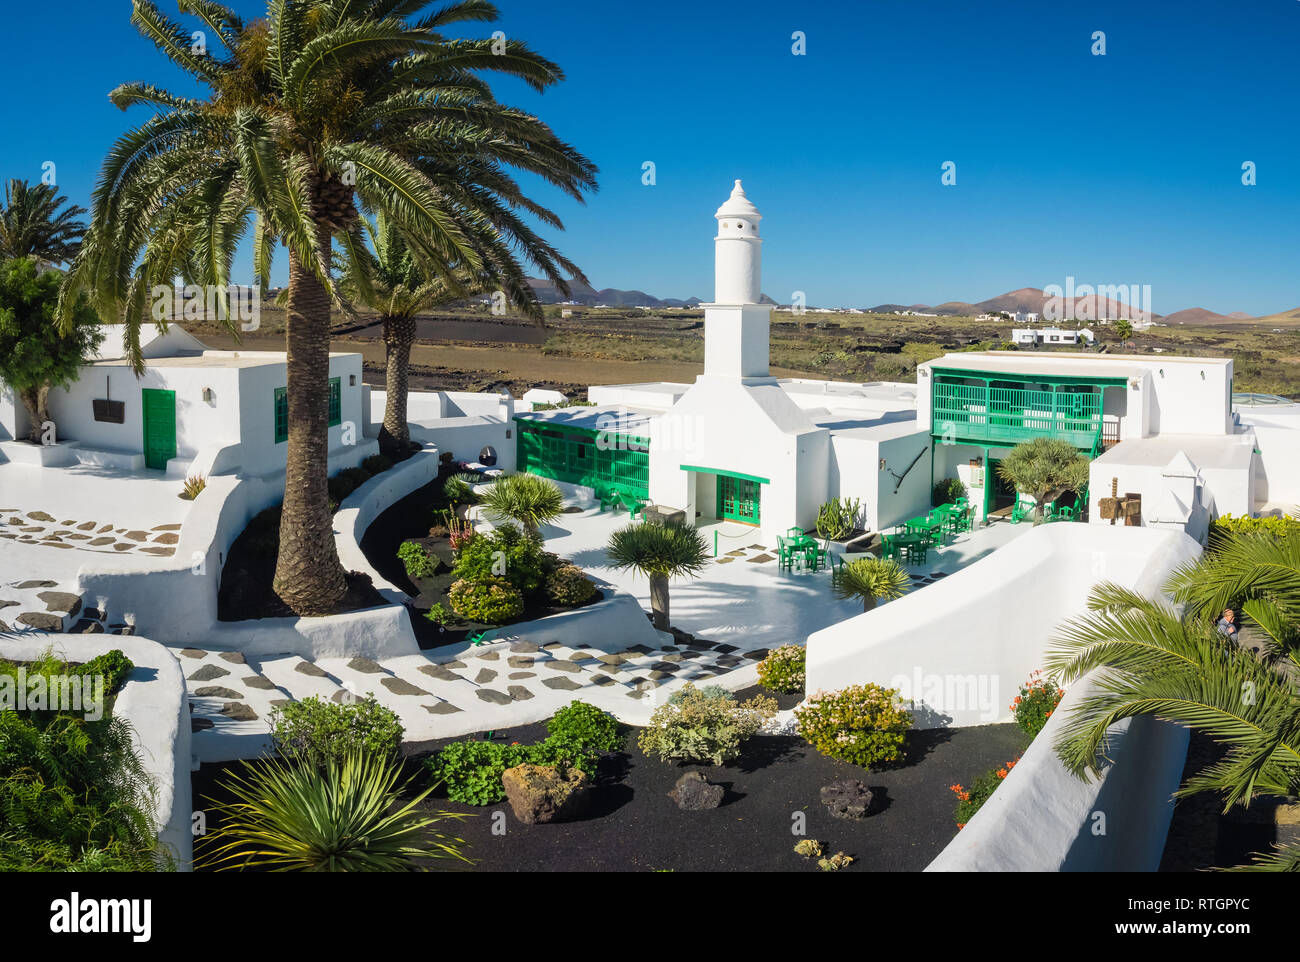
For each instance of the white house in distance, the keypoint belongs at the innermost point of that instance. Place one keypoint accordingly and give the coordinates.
(1055, 336)
(193, 411)
(741, 445)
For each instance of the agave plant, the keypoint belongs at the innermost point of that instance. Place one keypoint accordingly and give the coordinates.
(870, 580)
(524, 498)
(1157, 659)
(292, 816)
(660, 552)
(319, 110)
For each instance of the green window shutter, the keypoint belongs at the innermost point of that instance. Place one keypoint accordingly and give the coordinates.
(281, 414)
(336, 401)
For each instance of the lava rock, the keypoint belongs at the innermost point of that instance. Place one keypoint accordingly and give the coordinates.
(694, 793)
(847, 799)
(539, 793)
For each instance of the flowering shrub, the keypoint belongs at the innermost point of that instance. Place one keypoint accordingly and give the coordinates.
(569, 585)
(863, 724)
(783, 669)
(1279, 527)
(970, 799)
(704, 725)
(1037, 700)
(491, 601)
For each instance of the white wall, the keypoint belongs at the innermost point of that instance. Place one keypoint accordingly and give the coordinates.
(962, 647)
(1042, 818)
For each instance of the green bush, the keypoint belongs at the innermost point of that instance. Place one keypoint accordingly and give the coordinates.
(1037, 700)
(863, 724)
(347, 481)
(439, 614)
(783, 669)
(506, 553)
(586, 725)
(417, 560)
(947, 490)
(491, 601)
(317, 730)
(703, 725)
(838, 518)
(569, 585)
(74, 795)
(970, 800)
(377, 464)
(471, 771)
(1279, 527)
(113, 665)
(457, 489)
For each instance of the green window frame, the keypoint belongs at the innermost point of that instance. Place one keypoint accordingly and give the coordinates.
(336, 401)
(281, 415)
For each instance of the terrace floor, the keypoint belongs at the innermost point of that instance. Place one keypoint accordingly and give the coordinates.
(744, 598)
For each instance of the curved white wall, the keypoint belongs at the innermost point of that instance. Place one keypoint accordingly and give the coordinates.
(961, 648)
(1044, 819)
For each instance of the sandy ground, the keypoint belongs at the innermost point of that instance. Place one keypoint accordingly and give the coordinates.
(459, 367)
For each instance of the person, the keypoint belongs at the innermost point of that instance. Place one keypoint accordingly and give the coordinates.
(1228, 624)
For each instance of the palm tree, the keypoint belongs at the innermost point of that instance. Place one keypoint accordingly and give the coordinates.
(1045, 469)
(660, 552)
(388, 280)
(32, 225)
(525, 498)
(1156, 659)
(320, 105)
(342, 817)
(871, 580)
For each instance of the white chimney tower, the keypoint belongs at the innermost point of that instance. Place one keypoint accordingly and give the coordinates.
(736, 326)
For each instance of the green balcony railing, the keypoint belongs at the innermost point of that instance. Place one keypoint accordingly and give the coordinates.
(979, 412)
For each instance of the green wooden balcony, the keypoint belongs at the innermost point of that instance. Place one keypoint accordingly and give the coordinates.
(1009, 416)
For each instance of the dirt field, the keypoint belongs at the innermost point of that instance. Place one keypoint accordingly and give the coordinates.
(471, 350)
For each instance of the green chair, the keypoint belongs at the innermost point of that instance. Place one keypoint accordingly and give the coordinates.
(888, 547)
(1063, 513)
(917, 553)
(1021, 511)
(818, 555)
(837, 567)
(788, 556)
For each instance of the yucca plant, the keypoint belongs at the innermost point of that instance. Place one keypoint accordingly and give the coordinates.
(346, 816)
(870, 580)
(660, 552)
(318, 109)
(1157, 659)
(523, 498)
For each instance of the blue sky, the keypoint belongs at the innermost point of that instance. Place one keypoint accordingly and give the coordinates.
(1116, 169)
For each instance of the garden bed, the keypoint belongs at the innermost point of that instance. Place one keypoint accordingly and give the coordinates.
(634, 826)
(245, 592)
(410, 519)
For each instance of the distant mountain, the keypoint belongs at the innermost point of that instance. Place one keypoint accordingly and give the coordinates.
(890, 308)
(1201, 316)
(581, 293)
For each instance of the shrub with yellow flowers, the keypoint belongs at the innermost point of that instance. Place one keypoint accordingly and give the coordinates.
(864, 725)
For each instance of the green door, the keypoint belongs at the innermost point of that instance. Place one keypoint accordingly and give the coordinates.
(159, 427)
(738, 499)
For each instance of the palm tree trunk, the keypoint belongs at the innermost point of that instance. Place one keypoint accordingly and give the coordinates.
(395, 435)
(659, 600)
(308, 575)
(868, 602)
(36, 400)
